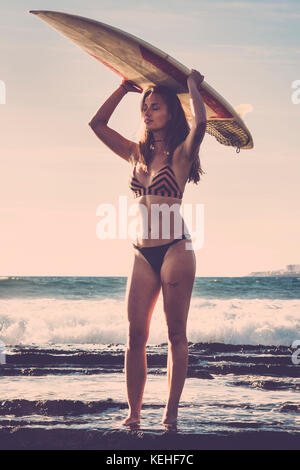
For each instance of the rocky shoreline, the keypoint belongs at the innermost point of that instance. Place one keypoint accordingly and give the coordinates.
(66, 439)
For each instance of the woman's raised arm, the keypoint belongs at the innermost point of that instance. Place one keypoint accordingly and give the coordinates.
(194, 139)
(115, 141)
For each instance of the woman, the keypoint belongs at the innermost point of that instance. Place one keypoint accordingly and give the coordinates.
(163, 161)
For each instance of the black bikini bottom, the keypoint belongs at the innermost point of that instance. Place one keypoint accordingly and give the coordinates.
(155, 254)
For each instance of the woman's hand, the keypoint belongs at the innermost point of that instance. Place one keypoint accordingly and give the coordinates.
(195, 77)
(131, 86)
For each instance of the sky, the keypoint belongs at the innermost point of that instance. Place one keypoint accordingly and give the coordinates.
(55, 172)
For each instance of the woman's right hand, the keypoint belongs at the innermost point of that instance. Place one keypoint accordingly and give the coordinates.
(131, 86)
(195, 77)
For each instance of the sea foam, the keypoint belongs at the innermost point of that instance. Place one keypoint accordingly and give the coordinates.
(104, 321)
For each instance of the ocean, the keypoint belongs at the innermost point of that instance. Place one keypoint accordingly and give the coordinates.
(62, 365)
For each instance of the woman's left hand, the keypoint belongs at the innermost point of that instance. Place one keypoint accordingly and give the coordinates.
(195, 77)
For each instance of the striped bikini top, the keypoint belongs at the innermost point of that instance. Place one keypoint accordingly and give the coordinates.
(163, 184)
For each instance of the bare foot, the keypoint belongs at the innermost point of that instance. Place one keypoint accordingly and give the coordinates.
(131, 421)
(170, 419)
(170, 427)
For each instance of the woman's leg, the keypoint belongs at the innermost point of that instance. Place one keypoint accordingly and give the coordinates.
(177, 276)
(143, 287)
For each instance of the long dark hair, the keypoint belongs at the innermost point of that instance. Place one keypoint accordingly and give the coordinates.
(177, 129)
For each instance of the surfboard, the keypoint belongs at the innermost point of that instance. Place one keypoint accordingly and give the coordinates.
(137, 60)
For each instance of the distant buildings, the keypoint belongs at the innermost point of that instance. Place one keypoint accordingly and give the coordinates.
(291, 270)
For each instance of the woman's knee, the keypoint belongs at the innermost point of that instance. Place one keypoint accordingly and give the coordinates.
(177, 338)
(137, 338)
